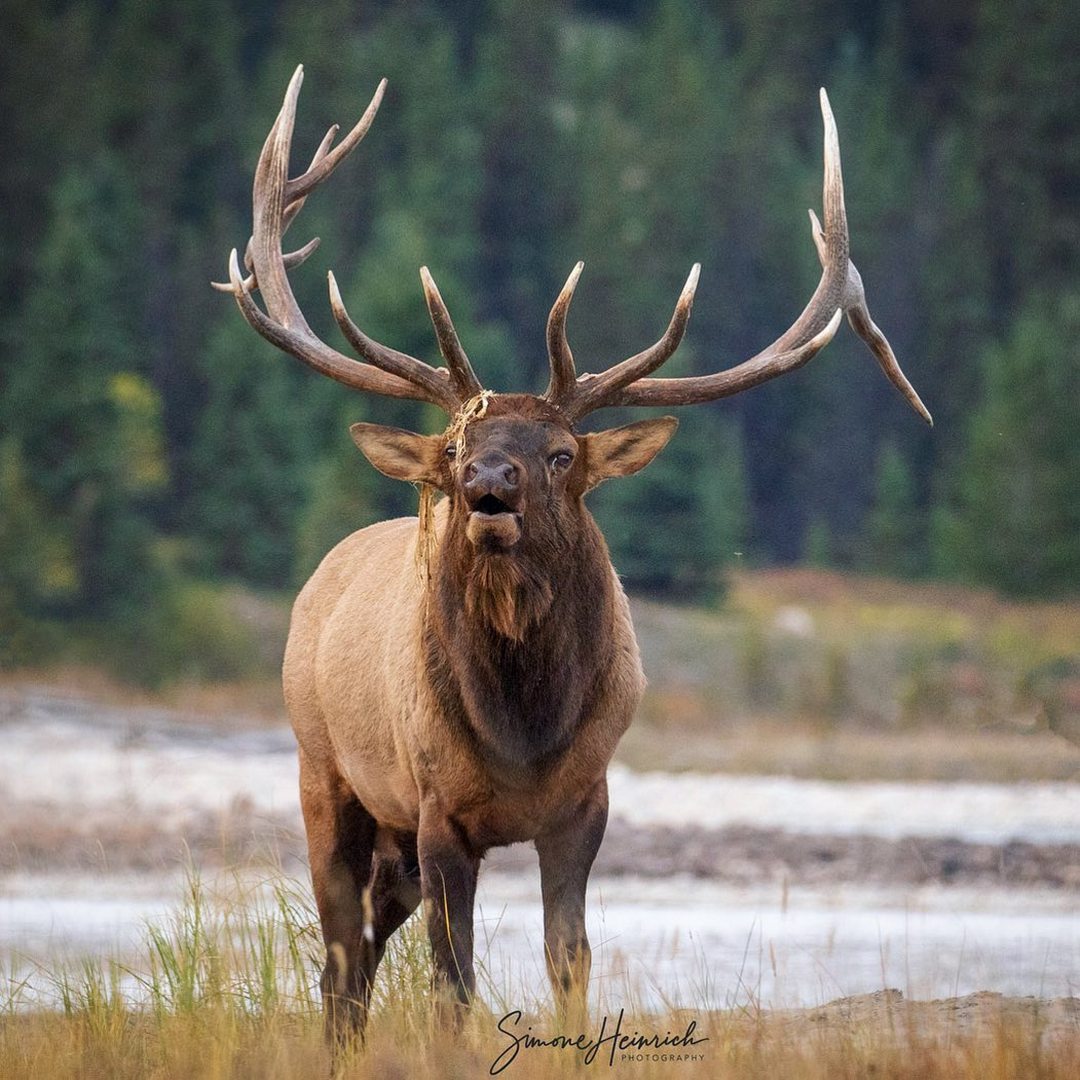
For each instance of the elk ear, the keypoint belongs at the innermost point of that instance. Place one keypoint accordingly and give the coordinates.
(625, 450)
(400, 454)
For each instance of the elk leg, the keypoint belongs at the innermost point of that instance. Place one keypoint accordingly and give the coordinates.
(566, 857)
(341, 840)
(395, 891)
(448, 871)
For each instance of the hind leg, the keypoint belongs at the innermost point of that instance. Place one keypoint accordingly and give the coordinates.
(448, 871)
(341, 843)
(395, 891)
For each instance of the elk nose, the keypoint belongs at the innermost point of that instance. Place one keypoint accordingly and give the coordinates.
(495, 476)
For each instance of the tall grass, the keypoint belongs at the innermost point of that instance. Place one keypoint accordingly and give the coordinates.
(224, 987)
(873, 653)
(853, 674)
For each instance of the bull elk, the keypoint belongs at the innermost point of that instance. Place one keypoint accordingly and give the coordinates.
(460, 683)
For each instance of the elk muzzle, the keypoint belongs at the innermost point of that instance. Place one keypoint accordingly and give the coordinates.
(494, 491)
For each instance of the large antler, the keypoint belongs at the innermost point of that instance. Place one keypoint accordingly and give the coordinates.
(276, 201)
(840, 290)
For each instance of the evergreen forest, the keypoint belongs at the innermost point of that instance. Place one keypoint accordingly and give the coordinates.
(154, 451)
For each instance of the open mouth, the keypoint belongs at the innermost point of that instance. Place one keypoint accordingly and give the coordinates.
(491, 505)
(493, 524)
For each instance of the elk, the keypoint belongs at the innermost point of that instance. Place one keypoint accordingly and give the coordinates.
(460, 682)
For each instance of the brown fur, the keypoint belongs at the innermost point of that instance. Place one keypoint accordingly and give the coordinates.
(438, 719)
(502, 593)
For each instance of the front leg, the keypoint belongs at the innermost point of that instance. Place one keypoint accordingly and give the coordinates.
(448, 871)
(566, 857)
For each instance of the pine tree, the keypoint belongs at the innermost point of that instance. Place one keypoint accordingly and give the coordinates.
(34, 559)
(85, 418)
(894, 529)
(47, 101)
(1014, 520)
(251, 459)
(519, 176)
(173, 108)
(1026, 144)
(673, 528)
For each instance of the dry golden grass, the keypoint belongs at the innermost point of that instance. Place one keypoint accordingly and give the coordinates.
(255, 701)
(819, 674)
(916, 1043)
(851, 604)
(224, 990)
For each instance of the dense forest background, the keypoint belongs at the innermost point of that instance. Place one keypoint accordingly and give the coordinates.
(153, 448)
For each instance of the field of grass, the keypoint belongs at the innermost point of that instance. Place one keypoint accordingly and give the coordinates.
(806, 673)
(818, 674)
(224, 988)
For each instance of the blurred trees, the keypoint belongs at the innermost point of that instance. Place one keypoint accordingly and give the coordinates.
(1014, 519)
(83, 420)
(515, 139)
(894, 530)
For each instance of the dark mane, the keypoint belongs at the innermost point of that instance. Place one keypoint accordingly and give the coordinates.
(518, 645)
(507, 594)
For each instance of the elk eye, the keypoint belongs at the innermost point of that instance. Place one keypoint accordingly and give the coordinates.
(561, 460)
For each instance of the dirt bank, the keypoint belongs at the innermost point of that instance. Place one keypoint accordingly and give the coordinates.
(40, 839)
(899, 1020)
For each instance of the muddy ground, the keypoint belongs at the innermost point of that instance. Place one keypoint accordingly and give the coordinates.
(39, 839)
(124, 788)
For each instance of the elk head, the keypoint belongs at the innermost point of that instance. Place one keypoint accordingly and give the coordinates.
(514, 466)
(514, 472)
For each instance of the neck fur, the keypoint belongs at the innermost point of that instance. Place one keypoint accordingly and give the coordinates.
(510, 595)
(516, 642)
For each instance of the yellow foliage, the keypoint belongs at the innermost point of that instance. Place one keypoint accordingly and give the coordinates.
(139, 431)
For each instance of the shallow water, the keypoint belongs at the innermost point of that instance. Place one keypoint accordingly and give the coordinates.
(668, 940)
(666, 943)
(690, 943)
(88, 758)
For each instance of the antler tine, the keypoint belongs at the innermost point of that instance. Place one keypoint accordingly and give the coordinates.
(319, 170)
(858, 315)
(590, 393)
(839, 290)
(268, 207)
(275, 202)
(753, 372)
(397, 363)
(314, 352)
(294, 258)
(294, 204)
(563, 373)
(859, 320)
(461, 372)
